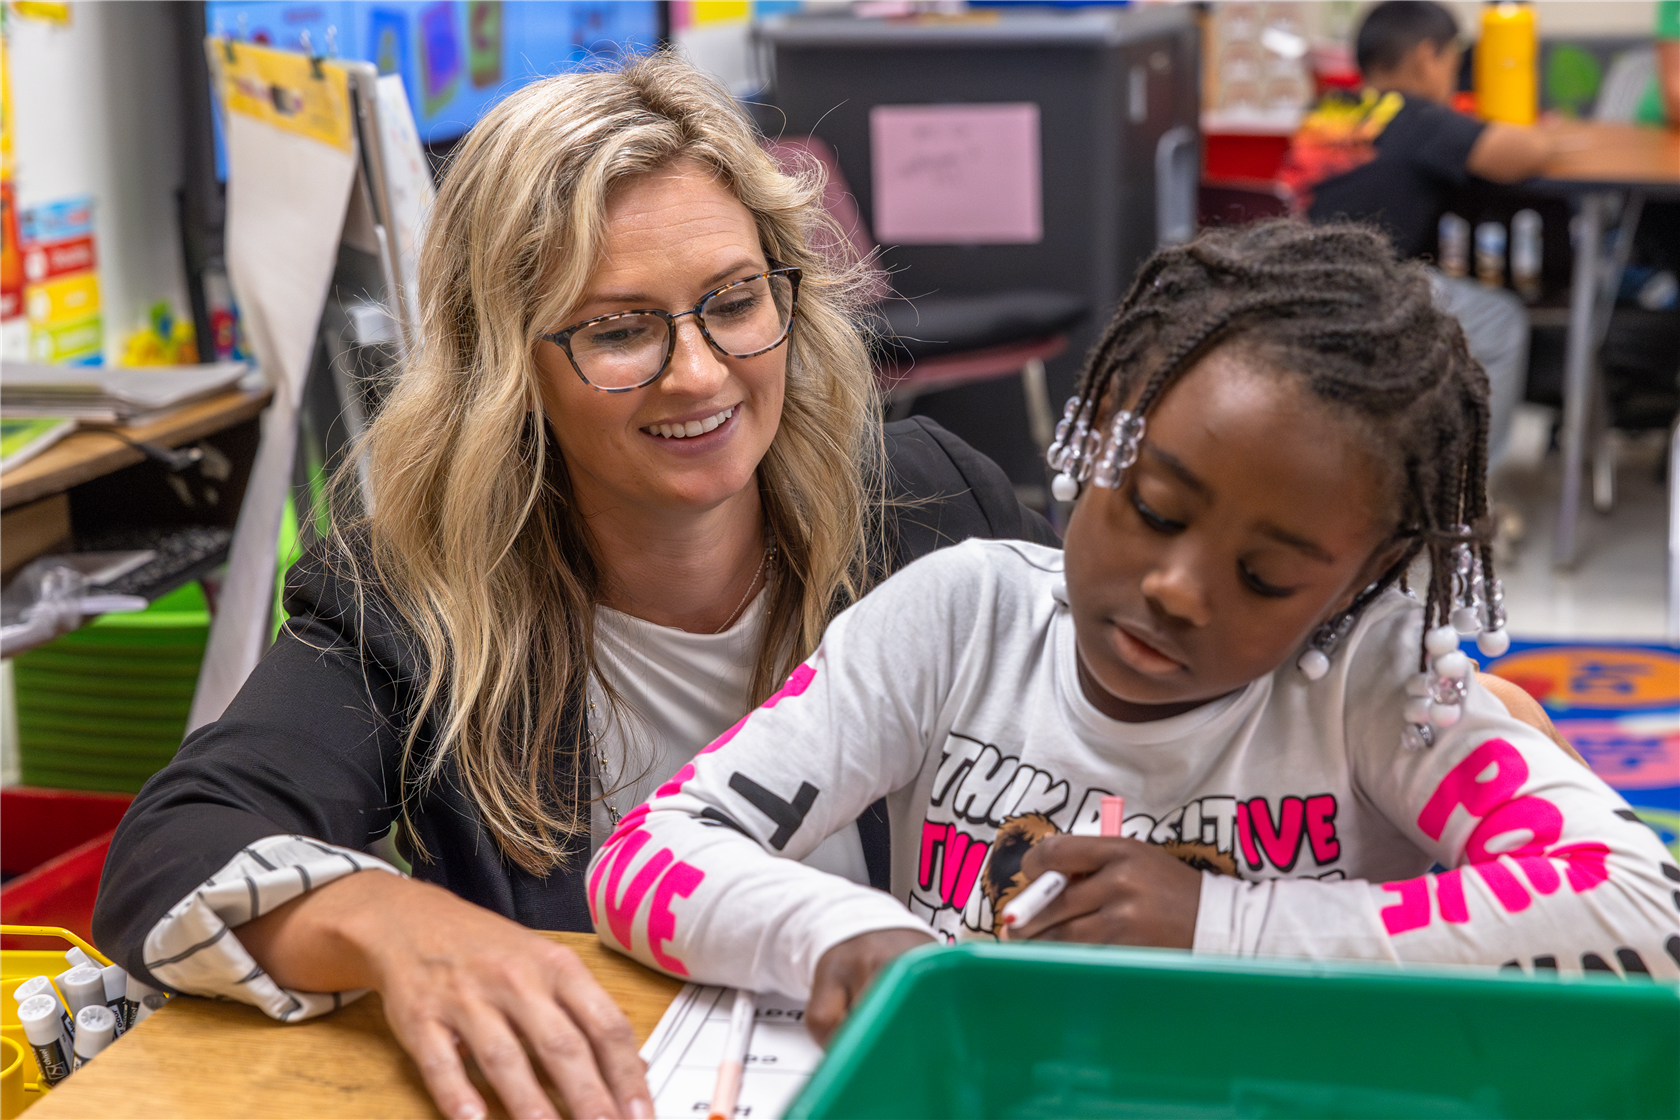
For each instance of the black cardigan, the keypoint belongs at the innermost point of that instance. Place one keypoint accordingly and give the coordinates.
(312, 742)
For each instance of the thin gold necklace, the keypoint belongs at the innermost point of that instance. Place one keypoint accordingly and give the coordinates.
(763, 561)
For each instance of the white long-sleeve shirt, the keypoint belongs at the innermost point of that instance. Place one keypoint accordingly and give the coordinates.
(952, 691)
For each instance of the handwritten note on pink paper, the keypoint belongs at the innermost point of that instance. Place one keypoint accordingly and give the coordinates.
(956, 174)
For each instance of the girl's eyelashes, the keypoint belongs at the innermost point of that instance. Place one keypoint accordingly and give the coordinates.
(1152, 519)
(1261, 587)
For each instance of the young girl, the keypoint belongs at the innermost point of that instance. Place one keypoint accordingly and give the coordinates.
(1277, 424)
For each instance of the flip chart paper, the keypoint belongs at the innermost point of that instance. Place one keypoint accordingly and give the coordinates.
(956, 174)
(287, 193)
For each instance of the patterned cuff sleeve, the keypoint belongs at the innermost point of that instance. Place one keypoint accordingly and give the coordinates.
(192, 948)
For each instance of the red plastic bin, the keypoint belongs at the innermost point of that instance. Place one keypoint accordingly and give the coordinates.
(55, 842)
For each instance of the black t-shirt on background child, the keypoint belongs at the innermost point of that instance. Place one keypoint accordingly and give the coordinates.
(1384, 158)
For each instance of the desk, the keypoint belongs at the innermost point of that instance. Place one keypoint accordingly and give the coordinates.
(1606, 167)
(201, 1058)
(33, 495)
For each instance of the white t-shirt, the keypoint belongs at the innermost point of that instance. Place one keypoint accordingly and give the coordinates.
(952, 691)
(684, 690)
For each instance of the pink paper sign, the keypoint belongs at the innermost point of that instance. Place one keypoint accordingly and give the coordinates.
(956, 174)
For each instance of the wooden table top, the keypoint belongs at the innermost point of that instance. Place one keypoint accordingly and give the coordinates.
(89, 453)
(199, 1057)
(1598, 153)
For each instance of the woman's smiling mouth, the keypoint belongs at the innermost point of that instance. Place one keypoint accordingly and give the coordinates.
(687, 429)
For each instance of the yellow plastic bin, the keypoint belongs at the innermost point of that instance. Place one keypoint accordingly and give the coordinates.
(22, 1086)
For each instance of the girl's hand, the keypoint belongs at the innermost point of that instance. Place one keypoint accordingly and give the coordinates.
(456, 977)
(1120, 892)
(844, 972)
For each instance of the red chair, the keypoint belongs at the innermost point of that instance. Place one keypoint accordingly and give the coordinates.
(938, 341)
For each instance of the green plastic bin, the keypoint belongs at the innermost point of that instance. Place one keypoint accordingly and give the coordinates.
(1085, 1031)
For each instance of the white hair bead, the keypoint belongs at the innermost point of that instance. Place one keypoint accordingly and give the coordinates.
(1313, 664)
(1444, 715)
(1442, 639)
(1063, 488)
(1417, 684)
(1417, 709)
(1416, 737)
(1454, 664)
(1466, 620)
(1493, 643)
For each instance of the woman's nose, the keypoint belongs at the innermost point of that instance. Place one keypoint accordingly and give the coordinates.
(1174, 588)
(696, 369)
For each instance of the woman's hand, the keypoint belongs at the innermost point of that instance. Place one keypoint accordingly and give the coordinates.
(1120, 892)
(844, 972)
(455, 976)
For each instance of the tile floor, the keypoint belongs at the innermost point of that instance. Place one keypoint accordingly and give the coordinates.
(1618, 588)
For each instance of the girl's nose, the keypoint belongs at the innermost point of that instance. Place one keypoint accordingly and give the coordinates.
(696, 369)
(1173, 587)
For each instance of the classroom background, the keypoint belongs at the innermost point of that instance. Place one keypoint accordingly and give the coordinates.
(141, 425)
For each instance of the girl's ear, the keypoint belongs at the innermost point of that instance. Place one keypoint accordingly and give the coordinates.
(1380, 561)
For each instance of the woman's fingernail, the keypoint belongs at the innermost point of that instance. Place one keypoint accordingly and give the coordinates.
(640, 1108)
(469, 1112)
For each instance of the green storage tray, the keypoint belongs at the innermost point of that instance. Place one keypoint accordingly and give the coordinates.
(1084, 1031)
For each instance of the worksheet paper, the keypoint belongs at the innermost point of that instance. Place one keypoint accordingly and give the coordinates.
(685, 1048)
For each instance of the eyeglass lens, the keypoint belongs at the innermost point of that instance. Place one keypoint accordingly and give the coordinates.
(742, 320)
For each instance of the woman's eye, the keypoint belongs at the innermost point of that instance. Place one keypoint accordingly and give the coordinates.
(735, 307)
(1261, 587)
(613, 337)
(1152, 519)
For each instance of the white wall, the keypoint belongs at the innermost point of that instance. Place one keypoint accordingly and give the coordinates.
(1554, 17)
(98, 111)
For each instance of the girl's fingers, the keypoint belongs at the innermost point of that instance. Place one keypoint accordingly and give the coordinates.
(501, 1056)
(432, 1046)
(610, 1040)
(1080, 897)
(1074, 855)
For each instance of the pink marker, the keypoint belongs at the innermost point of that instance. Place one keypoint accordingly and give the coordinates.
(1113, 812)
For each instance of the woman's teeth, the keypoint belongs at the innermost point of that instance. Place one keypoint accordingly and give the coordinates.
(691, 428)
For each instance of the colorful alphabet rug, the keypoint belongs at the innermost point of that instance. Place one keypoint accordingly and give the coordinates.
(1619, 704)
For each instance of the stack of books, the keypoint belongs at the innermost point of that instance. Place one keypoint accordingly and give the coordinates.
(109, 394)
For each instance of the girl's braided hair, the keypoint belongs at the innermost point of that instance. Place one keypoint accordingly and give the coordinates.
(1332, 305)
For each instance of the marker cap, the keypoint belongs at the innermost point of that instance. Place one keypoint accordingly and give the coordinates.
(79, 959)
(116, 981)
(95, 1028)
(41, 1024)
(82, 986)
(137, 989)
(34, 986)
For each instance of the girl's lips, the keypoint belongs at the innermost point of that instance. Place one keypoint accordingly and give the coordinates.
(1142, 656)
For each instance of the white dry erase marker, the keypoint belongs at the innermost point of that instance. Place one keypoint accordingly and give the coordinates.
(734, 1064)
(150, 1002)
(134, 997)
(116, 983)
(45, 1032)
(1038, 894)
(79, 959)
(95, 1028)
(82, 987)
(43, 986)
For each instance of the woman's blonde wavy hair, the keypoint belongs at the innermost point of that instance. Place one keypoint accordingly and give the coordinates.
(472, 533)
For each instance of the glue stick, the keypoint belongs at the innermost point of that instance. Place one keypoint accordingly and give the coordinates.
(95, 1028)
(44, 1029)
(78, 959)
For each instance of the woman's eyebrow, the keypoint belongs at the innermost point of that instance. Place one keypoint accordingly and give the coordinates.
(707, 284)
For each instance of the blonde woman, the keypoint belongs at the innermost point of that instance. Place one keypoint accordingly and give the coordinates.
(634, 469)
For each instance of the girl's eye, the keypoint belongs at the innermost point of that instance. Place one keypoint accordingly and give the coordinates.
(1152, 519)
(1261, 587)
